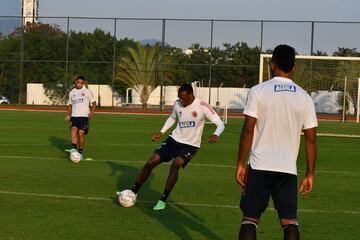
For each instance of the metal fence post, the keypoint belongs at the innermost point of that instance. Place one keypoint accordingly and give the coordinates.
(21, 72)
(261, 36)
(210, 58)
(162, 101)
(312, 38)
(67, 53)
(114, 65)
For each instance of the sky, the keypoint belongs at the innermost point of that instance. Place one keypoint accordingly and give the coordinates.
(327, 37)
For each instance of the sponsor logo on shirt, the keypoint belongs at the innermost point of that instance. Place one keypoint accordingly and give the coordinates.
(187, 124)
(284, 88)
(79, 100)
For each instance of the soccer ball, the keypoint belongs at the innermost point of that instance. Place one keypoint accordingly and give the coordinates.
(75, 157)
(127, 198)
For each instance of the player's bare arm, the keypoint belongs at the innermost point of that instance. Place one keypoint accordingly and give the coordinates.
(92, 109)
(68, 114)
(213, 138)
(310, 151)
(156, 136)
(246, 139)
(167, 125)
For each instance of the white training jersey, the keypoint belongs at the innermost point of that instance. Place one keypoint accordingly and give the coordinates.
(282, 110)
(80, 100)
(191, 120)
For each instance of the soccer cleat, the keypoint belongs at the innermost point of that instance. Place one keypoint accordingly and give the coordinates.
(71, 150)
(160, 205)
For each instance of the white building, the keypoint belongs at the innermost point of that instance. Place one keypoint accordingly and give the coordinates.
(30, 11)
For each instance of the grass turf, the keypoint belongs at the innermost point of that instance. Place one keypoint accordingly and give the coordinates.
(44, 196)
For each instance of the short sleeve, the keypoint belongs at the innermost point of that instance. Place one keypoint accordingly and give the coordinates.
(91, 96)
(251, 106)
(70, 99)
(310, 120)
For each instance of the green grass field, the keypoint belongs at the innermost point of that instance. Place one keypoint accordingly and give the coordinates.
(44, 196)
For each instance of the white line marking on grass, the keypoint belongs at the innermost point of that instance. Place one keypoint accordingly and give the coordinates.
(143, 162)
(169, 203)
(89, 144)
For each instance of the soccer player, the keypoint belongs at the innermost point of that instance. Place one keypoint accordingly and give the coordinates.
(190, 114)
(81, 109)
(275, 114)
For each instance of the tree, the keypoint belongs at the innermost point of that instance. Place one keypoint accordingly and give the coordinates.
(320, 53)
(140, 70)
(346, 52)
(9, 70)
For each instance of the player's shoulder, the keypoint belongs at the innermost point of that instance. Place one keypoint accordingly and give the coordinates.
(72, 90)
(206, 106)
(177, 103)
(259, 87)
(86, 89)
(302, 91)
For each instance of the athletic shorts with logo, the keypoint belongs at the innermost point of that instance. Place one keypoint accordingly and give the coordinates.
(170, 149)
(260, 185)
(81, 123)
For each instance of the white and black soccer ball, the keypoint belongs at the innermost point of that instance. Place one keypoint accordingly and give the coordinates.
(75, 156)
(127, 198)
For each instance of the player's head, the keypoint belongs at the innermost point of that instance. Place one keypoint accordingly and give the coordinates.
(186, 94)
(283, 59)
(79, 82)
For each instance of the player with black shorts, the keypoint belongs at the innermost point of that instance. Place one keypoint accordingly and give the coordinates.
(276, 113)
(190, 113)
(81, 109)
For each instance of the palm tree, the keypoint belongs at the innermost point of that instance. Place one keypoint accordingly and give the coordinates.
(141, 68)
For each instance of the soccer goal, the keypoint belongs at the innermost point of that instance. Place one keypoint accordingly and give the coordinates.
(222, 112)
(332, 82)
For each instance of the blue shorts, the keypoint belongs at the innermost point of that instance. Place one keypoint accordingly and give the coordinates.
(81, 123)
(260, 185)
(170, 149)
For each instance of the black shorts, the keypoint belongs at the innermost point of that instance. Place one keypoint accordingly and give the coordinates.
(259, 185)
(80, 123)
(170, 149)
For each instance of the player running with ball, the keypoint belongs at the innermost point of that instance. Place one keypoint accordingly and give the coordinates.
(81, 109)
(182, 145)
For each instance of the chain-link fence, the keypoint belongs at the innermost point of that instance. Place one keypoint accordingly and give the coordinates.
(211, 52)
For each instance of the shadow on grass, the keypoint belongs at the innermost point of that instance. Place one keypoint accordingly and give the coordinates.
(60, 143)
(176, 218)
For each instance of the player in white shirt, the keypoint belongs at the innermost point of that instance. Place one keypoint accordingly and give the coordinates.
(190, 114)
(276, 113)
(81, 109)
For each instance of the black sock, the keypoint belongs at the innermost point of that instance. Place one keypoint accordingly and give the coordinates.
(165, 195)
(136, 187)
(73, 145)
(291, 232)
(80, 151)
(247, 230)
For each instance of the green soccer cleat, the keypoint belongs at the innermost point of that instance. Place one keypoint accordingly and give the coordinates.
(71, 150)
(160, 205)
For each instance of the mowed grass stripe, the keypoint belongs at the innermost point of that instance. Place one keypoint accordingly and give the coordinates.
(48, 195)
(166, 163)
